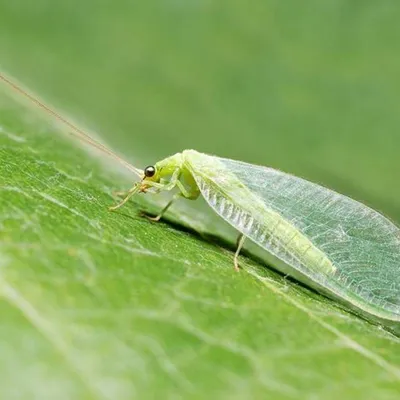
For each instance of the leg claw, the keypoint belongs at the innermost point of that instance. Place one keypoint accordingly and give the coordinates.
(150, 218)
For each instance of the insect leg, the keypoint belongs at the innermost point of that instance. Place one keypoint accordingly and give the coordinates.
(163, 211)
(239, 243)
(183, 192)
(191, 193)
(169, 185)
(129, 194)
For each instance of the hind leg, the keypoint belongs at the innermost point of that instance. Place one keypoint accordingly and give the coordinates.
(239, 243)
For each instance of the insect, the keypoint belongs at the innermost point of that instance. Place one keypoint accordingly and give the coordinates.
(334, 243)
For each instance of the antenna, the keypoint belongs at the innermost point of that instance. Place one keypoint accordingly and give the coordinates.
(77, 133)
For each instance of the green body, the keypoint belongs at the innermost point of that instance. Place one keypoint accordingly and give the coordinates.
(338, 245)
(237, 204)
(243, 209)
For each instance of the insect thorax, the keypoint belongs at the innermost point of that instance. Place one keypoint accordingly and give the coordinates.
(169, 165)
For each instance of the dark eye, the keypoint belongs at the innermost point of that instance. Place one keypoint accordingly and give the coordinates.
(149, 171)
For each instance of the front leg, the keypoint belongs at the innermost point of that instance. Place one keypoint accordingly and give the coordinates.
(135, 189)
(160, 187)
(164, 185)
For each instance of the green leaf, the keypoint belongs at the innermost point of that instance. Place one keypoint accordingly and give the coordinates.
(100, 305)
(109, 305)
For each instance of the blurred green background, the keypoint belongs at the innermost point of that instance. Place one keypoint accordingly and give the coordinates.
(312, 88)
(118, 307)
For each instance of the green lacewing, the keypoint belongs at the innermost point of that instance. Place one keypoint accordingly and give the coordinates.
(327, 240)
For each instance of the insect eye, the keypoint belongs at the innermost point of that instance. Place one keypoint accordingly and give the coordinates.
(149, 171)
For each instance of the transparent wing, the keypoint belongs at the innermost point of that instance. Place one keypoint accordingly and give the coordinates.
(363, 245)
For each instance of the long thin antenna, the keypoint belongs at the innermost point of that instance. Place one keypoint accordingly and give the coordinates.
(77, 133)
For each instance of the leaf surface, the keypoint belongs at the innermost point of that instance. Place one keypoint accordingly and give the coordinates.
(109, 305)
(100, 305)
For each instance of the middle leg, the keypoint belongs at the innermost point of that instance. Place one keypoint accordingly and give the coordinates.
(164, 210)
